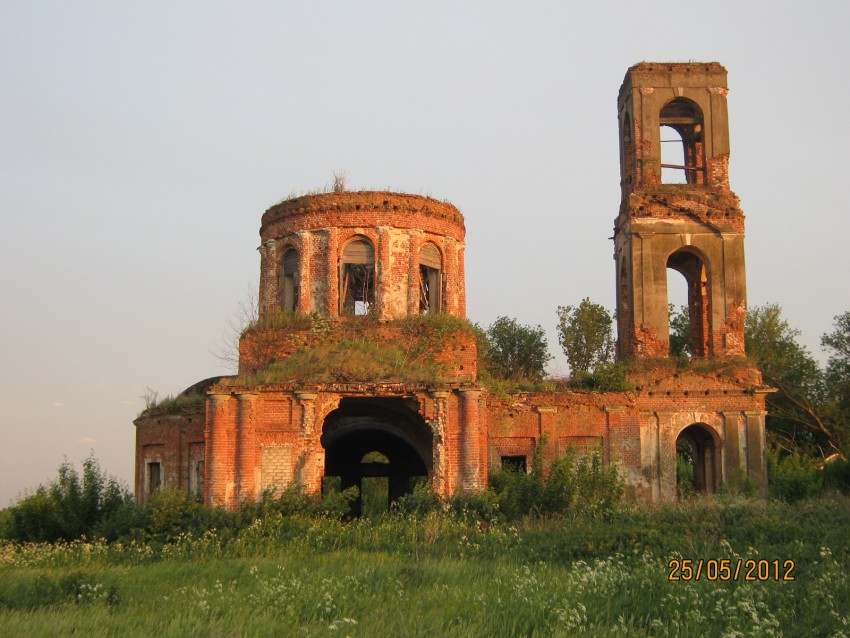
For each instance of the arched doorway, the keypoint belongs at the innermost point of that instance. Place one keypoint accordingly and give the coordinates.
(696, 460)
(381, 445)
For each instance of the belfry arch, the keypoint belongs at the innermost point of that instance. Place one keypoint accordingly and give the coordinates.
(389, 426)
(691, 264)
(289, 280)
(430, 279)
(357, 277)
(683, 119)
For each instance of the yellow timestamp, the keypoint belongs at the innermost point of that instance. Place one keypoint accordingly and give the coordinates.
(727, 569)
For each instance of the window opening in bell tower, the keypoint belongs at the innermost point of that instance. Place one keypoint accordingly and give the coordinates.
(289, 288)
(357, 278)
(430, 279)
(682, 153)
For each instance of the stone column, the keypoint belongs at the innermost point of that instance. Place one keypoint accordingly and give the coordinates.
(383, 273)
(732, 438)
(459, 282)
(650, 321)
(246, 446)
(332, 302)
(651, 436)
(667, 455)
(441, 482)
(473, 458)
(305, 302)
(219, 461)
(269, 297)
(756, 449)
(547, 436)
(451, 293)
(613, 424)
(311, 462)
(415, 239)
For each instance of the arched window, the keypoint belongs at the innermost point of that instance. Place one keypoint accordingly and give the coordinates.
(697, 324)
(289, 280)
(627, 151)
(430, 279)
(682, 154)
(357, 278)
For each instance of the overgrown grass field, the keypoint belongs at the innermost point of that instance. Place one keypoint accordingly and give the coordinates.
(447, 574)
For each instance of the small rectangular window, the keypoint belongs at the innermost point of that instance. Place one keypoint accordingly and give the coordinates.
(514, 464)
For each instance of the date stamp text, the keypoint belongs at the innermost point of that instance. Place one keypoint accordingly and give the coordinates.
(728, 569)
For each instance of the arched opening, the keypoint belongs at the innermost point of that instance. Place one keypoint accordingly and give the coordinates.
(381, 445)
(627, 151)
(357, 278)
(430, 279)
(289, 280)
(681, 340)
(694, 329)
(696, 460)
(682, 153)
(672, 157)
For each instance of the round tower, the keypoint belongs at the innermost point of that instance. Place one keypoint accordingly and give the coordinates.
(376, 253)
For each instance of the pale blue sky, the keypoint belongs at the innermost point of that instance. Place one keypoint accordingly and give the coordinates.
(141, 142)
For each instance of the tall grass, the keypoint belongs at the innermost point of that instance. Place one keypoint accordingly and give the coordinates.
(441, 573)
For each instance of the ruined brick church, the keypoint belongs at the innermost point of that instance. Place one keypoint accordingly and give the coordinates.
(366, 263)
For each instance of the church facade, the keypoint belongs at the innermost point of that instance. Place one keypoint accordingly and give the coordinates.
(361, 348)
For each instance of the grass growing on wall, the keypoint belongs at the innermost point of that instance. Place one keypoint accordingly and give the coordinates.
(354, 350)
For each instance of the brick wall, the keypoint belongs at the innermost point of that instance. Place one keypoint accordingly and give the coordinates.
(396, 225)
(173, 439)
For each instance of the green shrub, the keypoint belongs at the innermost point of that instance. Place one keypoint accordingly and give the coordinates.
(34, 517)
(793, 477)
(172, 511)
(836, 475)
(582, 486)
(421, 501)
(294, 500)
(684, 477)
(516, 351)
(608, 377)
(51, 589)
(70, 506)
(519, 493)
(598, 487)
(737, 483)
(475, 506)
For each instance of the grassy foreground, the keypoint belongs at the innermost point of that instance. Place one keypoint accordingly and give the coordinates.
(441, 575)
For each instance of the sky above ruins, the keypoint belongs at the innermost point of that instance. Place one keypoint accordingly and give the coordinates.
(141, 142)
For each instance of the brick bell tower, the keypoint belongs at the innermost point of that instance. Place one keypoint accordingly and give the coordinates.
(678, 216)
